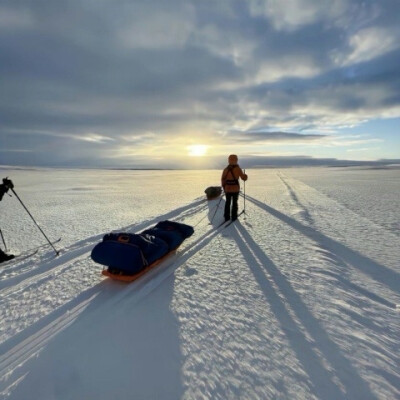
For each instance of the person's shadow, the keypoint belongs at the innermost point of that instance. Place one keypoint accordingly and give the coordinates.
(284, 301)
(374, 270)
(110, 339)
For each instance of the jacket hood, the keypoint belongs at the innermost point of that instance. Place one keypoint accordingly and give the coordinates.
(233, 159)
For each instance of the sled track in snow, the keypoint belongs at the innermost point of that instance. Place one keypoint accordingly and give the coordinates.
(79, 251)
(41, 285)
(391, 229)
(379, 273)
(307, 216)
(25, 345)
(21, 347)
(13, 267)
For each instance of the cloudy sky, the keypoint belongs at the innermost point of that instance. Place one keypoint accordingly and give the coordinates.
(183, 83)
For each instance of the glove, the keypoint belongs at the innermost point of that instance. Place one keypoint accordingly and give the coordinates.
(8, 183)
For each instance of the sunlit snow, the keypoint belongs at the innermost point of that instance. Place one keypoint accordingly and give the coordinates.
(299, 299)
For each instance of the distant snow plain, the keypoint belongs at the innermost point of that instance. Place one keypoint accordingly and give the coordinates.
(299, 299)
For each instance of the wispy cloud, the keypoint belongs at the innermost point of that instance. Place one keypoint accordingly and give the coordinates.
(11, 150)
(91, 137)
(368, 44)
(140, 77)
(358, 149)
(84, 136)
(267, 137)
(344, 141)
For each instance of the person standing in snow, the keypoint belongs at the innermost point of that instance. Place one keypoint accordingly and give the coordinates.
(230, 183)
(4, 188)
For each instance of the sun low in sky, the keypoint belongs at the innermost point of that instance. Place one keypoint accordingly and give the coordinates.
(197, 150)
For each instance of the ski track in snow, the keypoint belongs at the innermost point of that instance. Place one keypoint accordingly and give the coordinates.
(322, 364)
(45, 276)
(289, 302)
(59, 311)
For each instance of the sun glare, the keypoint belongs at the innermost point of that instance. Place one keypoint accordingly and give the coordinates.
(197, 150)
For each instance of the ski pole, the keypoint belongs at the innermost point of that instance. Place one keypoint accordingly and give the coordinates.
(2, 236)
(244, 194)
(33, 219)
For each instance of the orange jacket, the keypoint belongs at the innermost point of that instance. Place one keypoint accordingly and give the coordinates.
(230, 178)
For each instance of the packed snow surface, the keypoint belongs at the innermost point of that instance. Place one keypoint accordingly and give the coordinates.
(298, 299)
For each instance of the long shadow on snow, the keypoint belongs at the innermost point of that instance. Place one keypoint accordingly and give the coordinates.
(346, 283)
(321, 379)
(88, 335)
(84, 246)
(297, 201)
(113, 349)
(106, 288)
(369, 267)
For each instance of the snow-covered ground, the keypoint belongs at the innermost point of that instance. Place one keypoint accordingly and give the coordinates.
(299, 299)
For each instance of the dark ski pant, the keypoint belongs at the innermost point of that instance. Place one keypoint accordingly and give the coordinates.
(231, 198)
